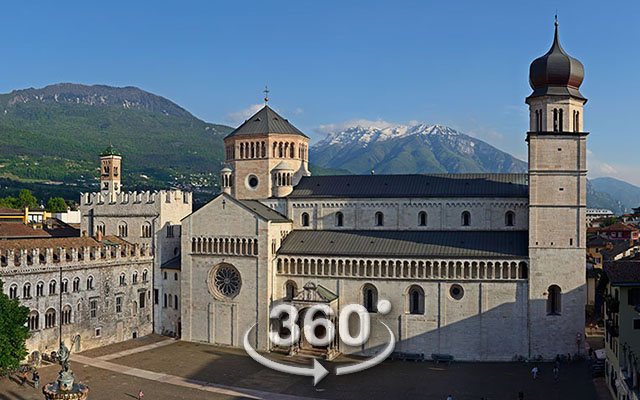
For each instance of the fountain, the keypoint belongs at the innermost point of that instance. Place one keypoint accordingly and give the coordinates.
(64, 388)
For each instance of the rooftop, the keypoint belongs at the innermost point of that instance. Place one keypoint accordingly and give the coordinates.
(430, 185)
(412, 244)
(623, 273)
(266, 121)
(264, 211)
(9, 230)
(617, 227)
(67, 242)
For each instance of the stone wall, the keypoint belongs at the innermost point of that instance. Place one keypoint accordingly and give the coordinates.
(103, 265)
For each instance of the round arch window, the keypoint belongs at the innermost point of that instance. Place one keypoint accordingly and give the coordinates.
(252, 181)
(225, 281)
(456, 291)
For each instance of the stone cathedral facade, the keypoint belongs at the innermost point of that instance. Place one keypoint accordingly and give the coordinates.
(478, 266)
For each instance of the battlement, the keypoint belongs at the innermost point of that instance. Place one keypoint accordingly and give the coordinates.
(12, 258)
(147, 197)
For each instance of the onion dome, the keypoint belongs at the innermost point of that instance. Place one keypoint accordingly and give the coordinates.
(110, 151)
(556, 73)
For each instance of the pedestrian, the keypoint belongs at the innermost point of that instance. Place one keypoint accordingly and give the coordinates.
(36, 379)
(590, 352)
(140, 394)
(24, 378)
(534, 372)
(569, 358)
(449, 397)
(556, 373)
(558, 364)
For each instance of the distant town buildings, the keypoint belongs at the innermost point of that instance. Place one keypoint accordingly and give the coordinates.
(598, 213)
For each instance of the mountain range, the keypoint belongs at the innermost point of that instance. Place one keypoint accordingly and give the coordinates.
(50, 139)
(420, 148)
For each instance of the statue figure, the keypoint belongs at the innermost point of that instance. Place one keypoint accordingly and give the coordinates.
(63, 357)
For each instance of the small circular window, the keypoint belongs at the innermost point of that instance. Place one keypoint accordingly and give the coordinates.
(225, 281)
(252, 181)
(456, 291)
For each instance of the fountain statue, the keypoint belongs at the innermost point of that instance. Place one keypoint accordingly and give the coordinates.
(64, 387)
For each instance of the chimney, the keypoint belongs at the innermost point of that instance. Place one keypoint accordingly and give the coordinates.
(99, 235)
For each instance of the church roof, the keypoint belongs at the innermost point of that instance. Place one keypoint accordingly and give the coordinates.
(396, 186)
(411, 244)
(266, 121)
(264, 211)
(110, 151)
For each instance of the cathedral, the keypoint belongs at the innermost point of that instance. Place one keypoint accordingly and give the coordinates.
(486, 267)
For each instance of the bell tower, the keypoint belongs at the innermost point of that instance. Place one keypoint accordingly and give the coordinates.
(557, 203)
(110, 171)
(267, 156)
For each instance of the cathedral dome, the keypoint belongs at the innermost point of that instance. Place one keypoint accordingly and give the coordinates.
(556, 73)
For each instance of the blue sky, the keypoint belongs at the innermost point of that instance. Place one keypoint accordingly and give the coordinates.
(327, 63)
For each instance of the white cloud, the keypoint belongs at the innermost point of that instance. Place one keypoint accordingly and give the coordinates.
(298, 111)
(242, 115)
(598, 168)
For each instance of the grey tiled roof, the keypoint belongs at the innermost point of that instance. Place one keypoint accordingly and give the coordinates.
(264, 211)
(445, 244)
(174, 263)
(623, 273)
(431, 185)
(266, 121)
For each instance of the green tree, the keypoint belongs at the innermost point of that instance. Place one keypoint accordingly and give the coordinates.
(608, 222)
(13, 332)
(56, 204)
(10, 202)
(26, 198)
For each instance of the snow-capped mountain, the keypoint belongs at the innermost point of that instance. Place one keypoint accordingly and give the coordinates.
(420, 148)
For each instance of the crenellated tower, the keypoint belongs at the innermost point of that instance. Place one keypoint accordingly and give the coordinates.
(267, 156)
(557, 203)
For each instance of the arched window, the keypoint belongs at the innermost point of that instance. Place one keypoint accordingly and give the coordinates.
(370, 298)
(145, 275)
(305, 219)
(415, 300)
(90, 283)
(122, 229)
(123, 279)
(555, 120)
(554, 300)
(50, 318)
(66, 315)
(379, 219)
(40, 289)
(510, 218)
(76, 284)
(280, 150)
(100, 228)
(290, 290)
(422, 218)
(466, 218)
(577, 124)
(13, 291)
(339, 219)
(134, 277)
(52, 287)
(64, 286)
(26, 291)
(560, 129)
(34, 320)
(146, 229)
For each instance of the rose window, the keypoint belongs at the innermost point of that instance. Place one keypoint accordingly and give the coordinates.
(226, 281)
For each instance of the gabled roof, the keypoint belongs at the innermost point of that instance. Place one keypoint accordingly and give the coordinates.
(264, 211)
(253, 206)
(618, 227)
(410, 244)
(10, 230)
(430, 185)
(266, 121)
(623, 273)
